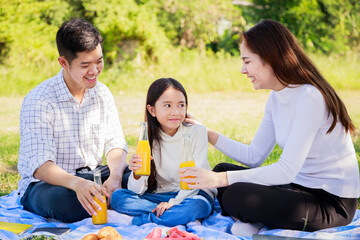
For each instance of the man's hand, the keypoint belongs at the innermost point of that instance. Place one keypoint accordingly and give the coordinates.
(116, 160)
(161, 208)
(85, 190)
(110, 185)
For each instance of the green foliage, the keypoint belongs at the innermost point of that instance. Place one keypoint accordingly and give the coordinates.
(29, 36)
(228, 43)
(27, 48)
(320, 25)
(130, 30)
(193, 24)
(191, 40)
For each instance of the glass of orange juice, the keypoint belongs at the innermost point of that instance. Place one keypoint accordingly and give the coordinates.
(187, 159)
(184, 185)
(143, 150)
(101, 216)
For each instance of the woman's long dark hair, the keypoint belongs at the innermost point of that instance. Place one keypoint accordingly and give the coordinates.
(277, 46)
(156, 89)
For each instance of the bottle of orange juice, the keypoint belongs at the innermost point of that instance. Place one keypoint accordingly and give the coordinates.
(143, 150)
(187, 159)
(101, 216)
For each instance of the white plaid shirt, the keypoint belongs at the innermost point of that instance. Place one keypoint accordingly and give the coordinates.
(54, 126)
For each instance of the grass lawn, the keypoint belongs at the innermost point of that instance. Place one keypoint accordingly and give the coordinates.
(234, 114)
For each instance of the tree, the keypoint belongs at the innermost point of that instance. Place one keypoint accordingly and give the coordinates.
(320, 25)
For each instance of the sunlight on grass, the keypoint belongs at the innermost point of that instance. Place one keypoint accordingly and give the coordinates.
(235, 114)
(9, 177)
(198, 72)
(342, 72)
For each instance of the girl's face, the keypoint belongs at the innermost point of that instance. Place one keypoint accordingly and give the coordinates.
(260, 73)
(170, 110)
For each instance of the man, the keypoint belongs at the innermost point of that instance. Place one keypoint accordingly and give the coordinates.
(67, 123)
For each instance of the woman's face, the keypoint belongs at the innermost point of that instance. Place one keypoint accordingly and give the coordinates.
(258, 71)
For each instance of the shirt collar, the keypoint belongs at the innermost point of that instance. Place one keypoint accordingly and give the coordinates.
(169, 138)
(91, 92)
(286, 94)
(64, 94)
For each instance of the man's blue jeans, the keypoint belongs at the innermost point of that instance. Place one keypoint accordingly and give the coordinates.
(58, 202)
(141, 206)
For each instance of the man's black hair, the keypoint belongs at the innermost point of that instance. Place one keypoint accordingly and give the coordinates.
(76, 36)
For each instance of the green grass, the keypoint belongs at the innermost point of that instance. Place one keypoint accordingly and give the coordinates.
(234, 114)
(219, 96)
(342, 72)
(198, 72)
(9, 147)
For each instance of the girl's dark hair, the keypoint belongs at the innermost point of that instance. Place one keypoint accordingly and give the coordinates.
(278, 47)
(76, 36)
(156, 89)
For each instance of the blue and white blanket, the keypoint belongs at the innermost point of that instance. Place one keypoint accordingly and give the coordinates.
(214, 227)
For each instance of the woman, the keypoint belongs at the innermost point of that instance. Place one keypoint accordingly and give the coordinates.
(315, 183)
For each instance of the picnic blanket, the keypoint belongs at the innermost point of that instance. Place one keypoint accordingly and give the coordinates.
(215, 226)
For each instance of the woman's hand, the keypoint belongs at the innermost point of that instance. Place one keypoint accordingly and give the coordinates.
(200, 178)
(190, 119)
(212, 135)
(161, 208)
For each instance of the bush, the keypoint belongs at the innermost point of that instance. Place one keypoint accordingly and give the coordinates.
(321, 26)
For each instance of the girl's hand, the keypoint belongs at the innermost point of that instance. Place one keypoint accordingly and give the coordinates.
(190, 119)
(161, 208)
(134, 162)
(202, 178)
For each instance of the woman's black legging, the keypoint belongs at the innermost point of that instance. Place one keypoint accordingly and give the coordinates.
(289, 206)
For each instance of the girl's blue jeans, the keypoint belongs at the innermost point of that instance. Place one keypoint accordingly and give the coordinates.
(141, 206)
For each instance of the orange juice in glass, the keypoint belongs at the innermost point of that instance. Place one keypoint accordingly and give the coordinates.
(101, 216)
(184, 185)
(143, 150)
(187, 159)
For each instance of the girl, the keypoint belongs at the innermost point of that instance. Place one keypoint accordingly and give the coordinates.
(158, 198)
(315, 183)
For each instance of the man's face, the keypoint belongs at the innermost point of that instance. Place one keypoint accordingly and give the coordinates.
(83, 71)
